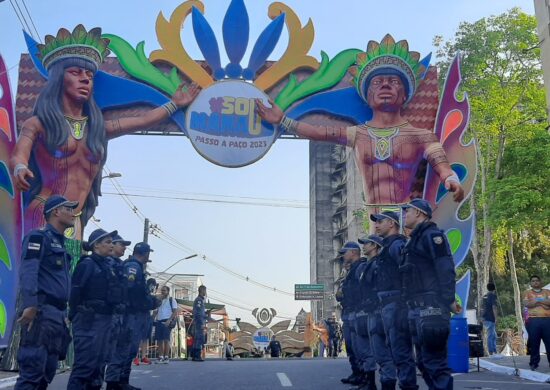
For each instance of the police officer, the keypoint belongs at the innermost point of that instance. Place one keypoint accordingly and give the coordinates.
(348, 297)
(44, 290)
(199, 316)
(369, 303)
(359, 331)
(95, 294)
(429, 283)
(120, 335)
(392, 307)
(140, 302)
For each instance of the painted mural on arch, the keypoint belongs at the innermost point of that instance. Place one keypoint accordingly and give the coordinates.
(222, 123)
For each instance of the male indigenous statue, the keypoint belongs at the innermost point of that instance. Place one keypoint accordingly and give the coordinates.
(63, 147)
(387, 149)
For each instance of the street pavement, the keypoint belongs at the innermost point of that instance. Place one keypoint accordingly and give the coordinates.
(270, 374)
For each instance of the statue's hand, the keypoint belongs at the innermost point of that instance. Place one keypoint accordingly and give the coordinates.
(456, 188)
(21, 177)
(184, 95)
(273, 114)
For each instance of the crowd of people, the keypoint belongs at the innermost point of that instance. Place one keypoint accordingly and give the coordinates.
(106, 301)
(397, 301)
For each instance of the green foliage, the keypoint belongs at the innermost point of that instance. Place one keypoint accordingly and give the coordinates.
(328, 75)
(502, 76)
(505, 323)
(136, 63)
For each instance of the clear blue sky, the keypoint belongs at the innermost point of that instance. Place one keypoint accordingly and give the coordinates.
(269, 244)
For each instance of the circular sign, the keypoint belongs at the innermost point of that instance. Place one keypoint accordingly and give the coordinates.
(261, 338)
(223, 125)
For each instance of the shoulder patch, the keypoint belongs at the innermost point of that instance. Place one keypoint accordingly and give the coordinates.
(34, 247)
(132, 271)
(438, 240)
(439, 245)
(131, 278)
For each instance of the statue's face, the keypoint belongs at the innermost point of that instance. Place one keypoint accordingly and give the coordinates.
(78, 83)
(386, 93)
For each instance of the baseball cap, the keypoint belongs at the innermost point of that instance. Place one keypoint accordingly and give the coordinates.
(56, 201)
(373, 238)
(142, 248)
(385, 215)
(98, 235)
(118, 238)
(421, 205)
(349, 246)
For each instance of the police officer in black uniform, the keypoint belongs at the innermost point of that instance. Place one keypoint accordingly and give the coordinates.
(348, 298)
(429, 285)
(140, 302)
(392, 307)
(44, 290)
(199, 317)
(95, 296)
(369, 303)
(120, 335)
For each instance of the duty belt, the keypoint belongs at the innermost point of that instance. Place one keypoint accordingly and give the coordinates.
(99, 307)
(387, 297)
(423, 301)
(44, 299)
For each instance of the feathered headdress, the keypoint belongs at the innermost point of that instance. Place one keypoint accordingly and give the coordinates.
(388, 57)
(78, 44)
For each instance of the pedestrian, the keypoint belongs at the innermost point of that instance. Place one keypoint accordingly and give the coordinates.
(274, 348)
(199, 317)
(165, 320)
(372, 245)
(139, 304)
(429, 284)
(392, 306)
(95, 294)
(229, 351)
(332, 326)
(489, 317)
(537, 301)
(44, 284)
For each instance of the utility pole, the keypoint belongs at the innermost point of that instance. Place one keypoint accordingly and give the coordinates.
(146, 230)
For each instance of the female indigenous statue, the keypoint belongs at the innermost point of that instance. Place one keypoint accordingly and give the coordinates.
(63, 147)
(388, 150)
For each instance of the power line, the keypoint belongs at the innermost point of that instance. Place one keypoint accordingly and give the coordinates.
(21, 20)
(32, 21)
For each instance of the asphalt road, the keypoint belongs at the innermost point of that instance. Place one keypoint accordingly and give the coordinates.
(270, 374)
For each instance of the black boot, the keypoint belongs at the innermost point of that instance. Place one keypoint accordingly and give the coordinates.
(369, 382)
(113, 386)
(358, 379)
(349, 378)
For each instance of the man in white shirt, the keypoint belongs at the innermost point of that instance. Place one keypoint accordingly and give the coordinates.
(166, 314)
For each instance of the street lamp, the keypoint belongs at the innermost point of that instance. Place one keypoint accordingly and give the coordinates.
(112, 175)
(185, 258)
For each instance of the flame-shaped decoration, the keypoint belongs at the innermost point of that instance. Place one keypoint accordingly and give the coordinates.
(451, 123)
(206, 39)
(235, 36)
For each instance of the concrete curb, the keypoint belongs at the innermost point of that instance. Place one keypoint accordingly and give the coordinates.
(520, 372)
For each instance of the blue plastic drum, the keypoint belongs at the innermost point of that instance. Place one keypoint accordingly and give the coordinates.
(458, 345)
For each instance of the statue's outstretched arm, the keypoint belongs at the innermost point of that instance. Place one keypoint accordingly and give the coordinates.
(181, 98)
(274, 115)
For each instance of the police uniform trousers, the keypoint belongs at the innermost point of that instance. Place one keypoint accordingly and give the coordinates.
(199, 339)
(396, 327)
(380, 349)
(40, 348)
(432, 362)
(120, 345)
(347, 325)
(135, 324)
(361, 343)
(91, 347)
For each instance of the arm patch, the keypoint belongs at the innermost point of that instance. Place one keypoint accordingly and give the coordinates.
(34, 247)
(439, 245)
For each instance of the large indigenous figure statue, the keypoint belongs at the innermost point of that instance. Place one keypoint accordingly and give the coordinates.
(388, 150)
(63, 147)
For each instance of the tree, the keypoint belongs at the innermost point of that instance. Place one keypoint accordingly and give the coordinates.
(502, 75)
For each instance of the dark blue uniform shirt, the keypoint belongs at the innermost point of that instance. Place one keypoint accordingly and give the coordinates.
(45, 268)
(199, 311)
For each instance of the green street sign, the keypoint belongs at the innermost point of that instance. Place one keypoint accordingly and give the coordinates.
(309, 292)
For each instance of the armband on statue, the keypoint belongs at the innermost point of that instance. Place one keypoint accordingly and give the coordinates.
(453, 177)
(170, 107)
(18, 168)
(289, 125)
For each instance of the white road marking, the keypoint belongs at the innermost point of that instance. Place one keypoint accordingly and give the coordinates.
(285, 382)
